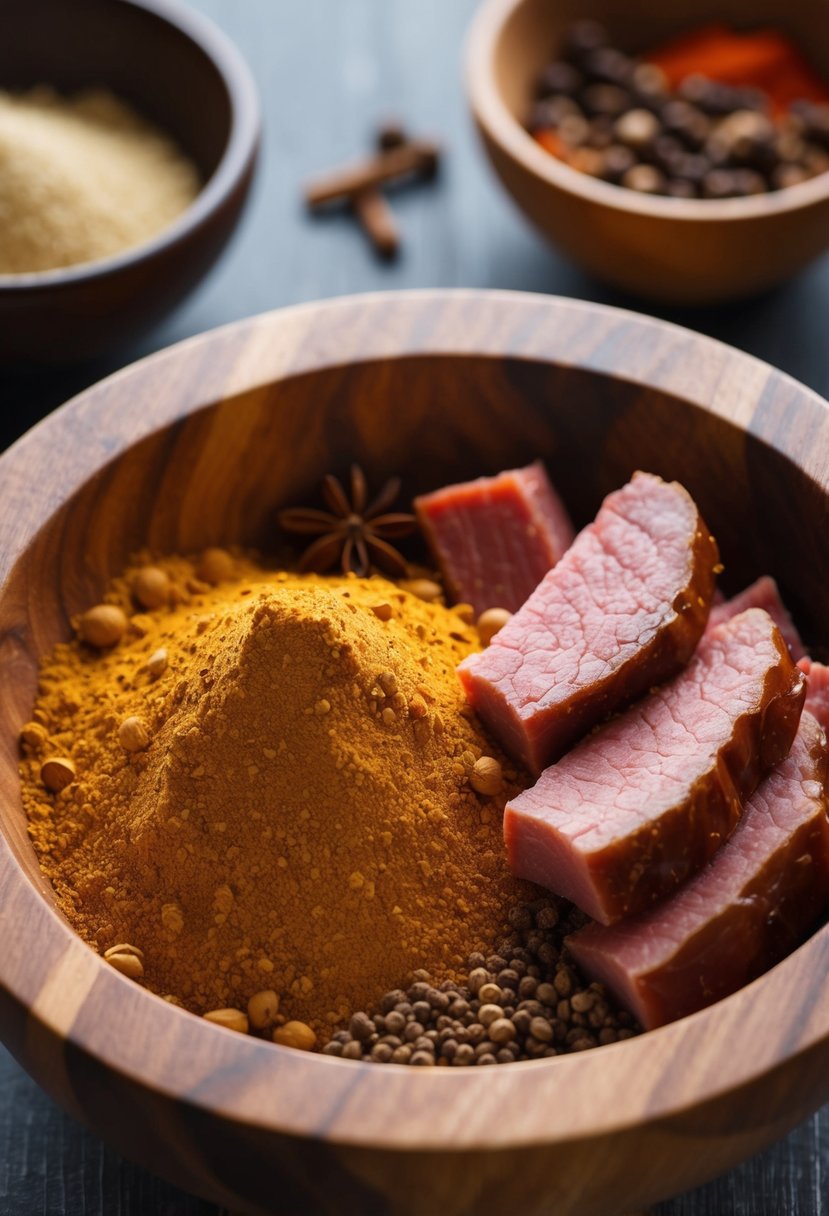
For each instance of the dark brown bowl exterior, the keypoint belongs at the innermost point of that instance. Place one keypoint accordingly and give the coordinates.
(202, 444)
(180, 71)
(674, 251)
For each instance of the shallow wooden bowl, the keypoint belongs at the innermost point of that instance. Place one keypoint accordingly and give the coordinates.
(181, 72)
(673, 250)
(201, 444)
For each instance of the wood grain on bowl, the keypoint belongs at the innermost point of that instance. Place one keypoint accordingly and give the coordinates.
(680, 251)
(202, 444)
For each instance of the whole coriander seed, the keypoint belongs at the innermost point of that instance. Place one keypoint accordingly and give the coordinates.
(487, 776)
(297, 1035)
(215, 566)
(33, 735)
(102, 626)
(57, 772)
(423, 588)
(491, 622)
(231, 1019)
(129, 960)
(151, 587)
(133, 734)
(263, 1008)
(157, 663)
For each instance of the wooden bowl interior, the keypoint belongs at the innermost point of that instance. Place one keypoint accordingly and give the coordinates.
(532, 33)
(130, 50)
(219, 475)
(201, 445)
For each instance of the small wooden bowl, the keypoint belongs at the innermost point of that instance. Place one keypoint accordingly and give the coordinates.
(180, 72)
(673, 250)
(200, 445)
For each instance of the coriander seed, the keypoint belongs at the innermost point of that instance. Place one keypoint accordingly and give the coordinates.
(423, 588)
(263, 1008)
(157, 663)
(490, 622)
(231, 1019)
(133, 735)
(151, 587)
(102, 626)
(57, 772)
(129, 960)
(215, 566)
(487, 776)
(295, 1034)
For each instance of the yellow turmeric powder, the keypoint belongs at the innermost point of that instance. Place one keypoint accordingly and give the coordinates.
(273, 783)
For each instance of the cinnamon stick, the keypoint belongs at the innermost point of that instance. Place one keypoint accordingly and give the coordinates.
(417, 157)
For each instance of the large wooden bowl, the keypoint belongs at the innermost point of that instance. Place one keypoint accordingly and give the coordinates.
(697, 251)
(201, 444)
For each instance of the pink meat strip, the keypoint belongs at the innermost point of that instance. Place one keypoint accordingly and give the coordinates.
(764, 593)
(760, 895)
(495, 538)
(817, 690)
(622, 611)
(646, 800)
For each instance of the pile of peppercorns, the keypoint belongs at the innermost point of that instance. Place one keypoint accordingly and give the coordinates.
(613, 117)
(526, 1002)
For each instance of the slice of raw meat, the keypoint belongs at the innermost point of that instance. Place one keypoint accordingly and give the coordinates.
(646, 800)
(762, 892)
(817, 690)
(495, 538)
(764, 593)
(622, 611)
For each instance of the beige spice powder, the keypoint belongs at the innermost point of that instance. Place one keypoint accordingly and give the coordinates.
(83, 178)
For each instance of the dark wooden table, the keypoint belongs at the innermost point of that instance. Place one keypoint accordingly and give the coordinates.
(327, 70)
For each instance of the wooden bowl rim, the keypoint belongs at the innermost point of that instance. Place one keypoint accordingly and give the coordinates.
(236, 161)
(494, 118)
(171, 1052)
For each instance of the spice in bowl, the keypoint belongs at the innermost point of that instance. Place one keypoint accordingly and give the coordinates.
(83, 178)
(269, 784)
(716, 113)
(337, 812)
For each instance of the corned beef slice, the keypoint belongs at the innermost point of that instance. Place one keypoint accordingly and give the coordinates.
(762, 594)
(755, 901)
(622, 610)
(817, 690)
(494, 539)
(646, 800)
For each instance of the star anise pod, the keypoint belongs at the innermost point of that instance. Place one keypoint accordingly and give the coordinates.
(354, 531)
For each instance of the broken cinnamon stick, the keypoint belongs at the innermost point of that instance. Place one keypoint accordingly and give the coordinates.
(417, 157)
(377, 219)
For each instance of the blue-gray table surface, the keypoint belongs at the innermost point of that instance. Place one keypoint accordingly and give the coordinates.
(327, 70)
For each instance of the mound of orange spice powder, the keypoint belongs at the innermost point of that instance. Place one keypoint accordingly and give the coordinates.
(272, 783)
